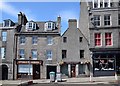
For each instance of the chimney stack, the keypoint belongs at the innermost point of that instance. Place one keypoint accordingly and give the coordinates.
(72, 23)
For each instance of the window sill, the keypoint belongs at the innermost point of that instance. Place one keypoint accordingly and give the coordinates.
(49, 59)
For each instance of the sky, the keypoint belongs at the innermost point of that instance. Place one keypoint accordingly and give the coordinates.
(41, 11)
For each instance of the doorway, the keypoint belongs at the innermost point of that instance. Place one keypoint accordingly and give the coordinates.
(50, 69)
(36, 71)
(118, 63)
(73, 72)
(4, 72)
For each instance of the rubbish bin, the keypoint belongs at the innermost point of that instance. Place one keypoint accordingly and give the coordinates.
(58, 77)
(52, 76)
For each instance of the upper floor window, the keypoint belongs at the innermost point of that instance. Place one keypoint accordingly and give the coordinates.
(108, 39)
(97, 20)
(81, 53)
(49, 54)
(4, 36)
(97, 39)
(30, 26)
(118, 19)
(50, 26)
(80, 39)
(34, 40)
(49, 40)
(107, 19)
(34, 54)
(64, 54)
(2, 53)
(119, 4)
(21, 53)
(6, 23)
(22, 40)
(64, 39)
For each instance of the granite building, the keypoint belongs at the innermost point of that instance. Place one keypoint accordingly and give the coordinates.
(100, 23)
(36, 48)
(7, 29)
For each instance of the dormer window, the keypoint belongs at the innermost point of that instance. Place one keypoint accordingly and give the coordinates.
(50, 26)
(30, 26)
(6, 23)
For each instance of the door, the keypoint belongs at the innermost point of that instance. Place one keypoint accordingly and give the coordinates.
(4, 72)
(36, 71)
(50, 69)
(73, 70)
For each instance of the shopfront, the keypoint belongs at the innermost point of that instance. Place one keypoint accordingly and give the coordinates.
(28, 69)
(105, 63)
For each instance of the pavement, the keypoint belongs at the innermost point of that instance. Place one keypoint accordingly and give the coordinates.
(81, 80)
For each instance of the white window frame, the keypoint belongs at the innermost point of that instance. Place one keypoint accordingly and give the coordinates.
(30, 26)
(49, 54)
(34, 40)
(4, 23)
(49, 40)
(34, 53)
(2, 52)
(97, 20)
(49, 26)
(22, 54)
(107, 20)
(21, 40)
(4, 37)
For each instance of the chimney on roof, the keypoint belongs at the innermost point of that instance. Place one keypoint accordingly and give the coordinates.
(22, 20)
(72, 23)
(59, 23)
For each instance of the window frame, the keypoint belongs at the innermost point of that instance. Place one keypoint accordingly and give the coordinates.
(4, 37)
(21, 55)
(108, 39)
(82, 54)
(22, 40)
(96, 40)
(118, 19)
(97, 20)
(64, 54)
(34, 40)
(3, 52)
(34, 54)
(50, 40)
(107, 21)
(49, 54)
(64, 39)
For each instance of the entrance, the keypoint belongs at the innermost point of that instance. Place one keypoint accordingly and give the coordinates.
(4, 72)
(50, 69)
(118, 63)
(73, 70)
(36, 71)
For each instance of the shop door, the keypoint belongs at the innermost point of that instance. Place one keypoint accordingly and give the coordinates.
(4, 72)
(50, 69)
(36, 71)
(73, 70)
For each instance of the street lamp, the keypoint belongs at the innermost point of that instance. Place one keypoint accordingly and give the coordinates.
(29, 66)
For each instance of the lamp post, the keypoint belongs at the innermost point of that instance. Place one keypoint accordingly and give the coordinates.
(29, 66)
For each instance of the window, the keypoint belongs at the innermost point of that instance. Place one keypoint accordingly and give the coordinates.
(106, 4)
(119, 4)
(49, 54)
(4, 36)
(96, 5)
(21, 53)
(2, 53)
(80, 39)
(97, 39)
(81, 53)
(49, 25)
(64, 54)
(34, 54)
(34, 39)
(30, 26)
(22, 40)
(118, 19)
(108, 39)
(97, 20)
(49, 40)
(64, 39)
(26, 69)
(106, 19)
(101, 4)
(6, 23)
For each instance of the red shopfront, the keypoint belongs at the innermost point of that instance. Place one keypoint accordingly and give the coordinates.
(28, 69)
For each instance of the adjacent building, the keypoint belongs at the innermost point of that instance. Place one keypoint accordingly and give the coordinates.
(36, 48)
(74, 52)
(100, 23)
(7, 29)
